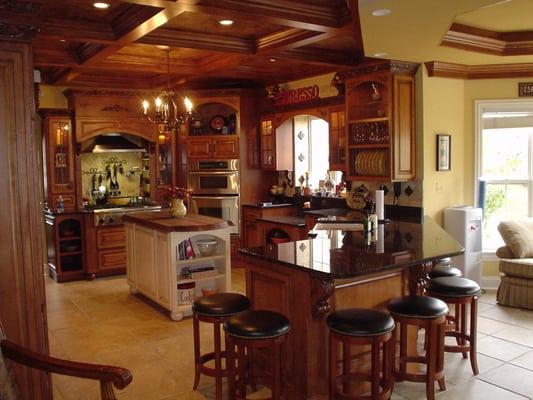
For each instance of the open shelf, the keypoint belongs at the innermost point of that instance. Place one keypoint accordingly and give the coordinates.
(181, 280)
(376, 119)
(197, 260)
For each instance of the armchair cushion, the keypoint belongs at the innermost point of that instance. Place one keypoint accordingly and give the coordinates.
(518, 235)
(504, 252)
(522, 268)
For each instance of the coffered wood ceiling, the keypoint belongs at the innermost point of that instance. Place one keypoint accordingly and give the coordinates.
(271, 41)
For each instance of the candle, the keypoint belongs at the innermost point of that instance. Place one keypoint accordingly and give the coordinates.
(380, 205)
(188, 105)
(158, 103)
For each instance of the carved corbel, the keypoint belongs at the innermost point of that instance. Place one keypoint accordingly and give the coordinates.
(419, 277)
(321, 291)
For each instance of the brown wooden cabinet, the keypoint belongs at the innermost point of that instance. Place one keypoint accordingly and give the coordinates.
(337, 139)
(380, 113)
(252, 229)
(213, 147)
(65, 239)
(59, 145)
(277, 145)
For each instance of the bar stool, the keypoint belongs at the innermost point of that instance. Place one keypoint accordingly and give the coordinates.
(214, 309)
(361, 326)
(444, 270)
(461, 292)
(255, 330)
(430, 314)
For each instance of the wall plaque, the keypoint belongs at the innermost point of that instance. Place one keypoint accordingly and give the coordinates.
(525, 89)
(295, 96)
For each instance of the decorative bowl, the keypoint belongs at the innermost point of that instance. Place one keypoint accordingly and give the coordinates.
(207, 247)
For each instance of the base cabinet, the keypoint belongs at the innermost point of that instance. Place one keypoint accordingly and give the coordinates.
(155, 270)
(65, 246)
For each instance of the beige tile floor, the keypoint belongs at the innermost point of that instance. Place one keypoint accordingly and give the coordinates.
(101, 322)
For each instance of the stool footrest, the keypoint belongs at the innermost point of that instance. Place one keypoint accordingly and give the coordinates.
(209, 371)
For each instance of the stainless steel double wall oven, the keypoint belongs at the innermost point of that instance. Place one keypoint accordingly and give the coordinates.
(215, 189)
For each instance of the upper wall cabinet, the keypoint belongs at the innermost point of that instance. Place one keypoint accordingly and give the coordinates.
(380, 113)
(337, 138)
(213, 130)
(59, 144)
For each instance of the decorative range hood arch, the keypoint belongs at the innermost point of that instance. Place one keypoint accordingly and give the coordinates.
(100, 112)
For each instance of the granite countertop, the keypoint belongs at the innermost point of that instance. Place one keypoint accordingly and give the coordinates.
(284, 220)
(341, 254)
(255, 205)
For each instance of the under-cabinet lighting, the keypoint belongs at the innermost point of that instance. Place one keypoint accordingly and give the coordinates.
(101, 5)
(380, 54)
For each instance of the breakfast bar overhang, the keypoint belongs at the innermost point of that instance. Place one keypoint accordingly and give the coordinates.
(339, 268)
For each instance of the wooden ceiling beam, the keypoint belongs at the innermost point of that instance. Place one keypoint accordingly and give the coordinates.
(321, 57)
(193, 40)
(288, 38)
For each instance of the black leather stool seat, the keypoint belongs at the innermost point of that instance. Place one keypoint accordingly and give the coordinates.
(444, 261)
(360, 322)
(257, 325)
(418, 307)
(221, 304)
(444, 270)
(453, 287)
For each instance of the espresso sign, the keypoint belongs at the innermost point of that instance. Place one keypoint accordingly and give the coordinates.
(525, 89)
(295, 96)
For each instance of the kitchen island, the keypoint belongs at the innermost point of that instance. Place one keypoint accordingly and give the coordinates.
(340, 268)
(163, 250)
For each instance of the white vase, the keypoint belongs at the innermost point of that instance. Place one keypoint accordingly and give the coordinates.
(177, 208)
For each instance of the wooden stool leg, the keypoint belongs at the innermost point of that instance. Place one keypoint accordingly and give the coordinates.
(463, 328)
(440, 353)
(376, 368)
(230, 367)
(276, 372)
(473, 336)
(391, 349)
(332, 367)
(241, 371)
(197, 363)
(218, 361)
(346, 364)
(403, 348)
(457, 323)
(431, 360)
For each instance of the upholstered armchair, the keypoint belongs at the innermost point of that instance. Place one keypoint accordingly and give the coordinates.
(12, 352)
(516, 263)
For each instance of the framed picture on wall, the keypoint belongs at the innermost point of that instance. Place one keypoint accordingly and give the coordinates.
(444, 152)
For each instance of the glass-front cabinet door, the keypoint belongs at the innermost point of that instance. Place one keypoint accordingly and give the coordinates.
(60, 163)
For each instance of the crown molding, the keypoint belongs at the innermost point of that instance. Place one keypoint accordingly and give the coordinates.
(489, 71)
(479, 40)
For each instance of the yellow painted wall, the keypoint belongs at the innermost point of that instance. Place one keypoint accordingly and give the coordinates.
(52, 97)
(443, 111)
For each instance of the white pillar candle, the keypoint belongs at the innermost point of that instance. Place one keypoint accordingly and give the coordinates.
(380, 205)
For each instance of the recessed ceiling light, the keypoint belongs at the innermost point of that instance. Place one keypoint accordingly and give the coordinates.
(101, 5)
(381, 12)
(272, 60)
(226, 22)
(380, 54)
(62, 40)
(162, 47)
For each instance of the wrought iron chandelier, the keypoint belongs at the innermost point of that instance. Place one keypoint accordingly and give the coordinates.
(165, 111)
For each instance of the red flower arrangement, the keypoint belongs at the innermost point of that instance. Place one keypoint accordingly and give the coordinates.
(174, 192)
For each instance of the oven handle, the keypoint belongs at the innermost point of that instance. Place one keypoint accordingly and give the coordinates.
(213, 172)
(231, 197)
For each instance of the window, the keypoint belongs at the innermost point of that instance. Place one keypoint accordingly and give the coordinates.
(505, 148)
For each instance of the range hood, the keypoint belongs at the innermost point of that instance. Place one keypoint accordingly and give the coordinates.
(113, 143)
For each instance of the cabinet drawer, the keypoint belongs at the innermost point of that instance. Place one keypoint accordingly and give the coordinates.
(111, 238)
(110, 259)
(251, 214)
(69, 201)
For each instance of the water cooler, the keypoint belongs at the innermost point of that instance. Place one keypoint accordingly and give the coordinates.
(463, 223)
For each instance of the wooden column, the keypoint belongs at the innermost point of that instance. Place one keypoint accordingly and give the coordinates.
(22, 297)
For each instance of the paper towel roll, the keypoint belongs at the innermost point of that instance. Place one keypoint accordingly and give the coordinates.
(380, 205)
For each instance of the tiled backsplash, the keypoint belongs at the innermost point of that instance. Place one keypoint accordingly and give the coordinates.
(128, 186)
(411, 192)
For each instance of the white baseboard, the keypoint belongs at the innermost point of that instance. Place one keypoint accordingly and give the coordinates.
(490, 282)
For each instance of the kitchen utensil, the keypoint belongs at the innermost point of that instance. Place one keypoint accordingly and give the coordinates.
(93, 183)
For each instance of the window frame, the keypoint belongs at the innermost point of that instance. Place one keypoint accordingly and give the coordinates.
(480, 107)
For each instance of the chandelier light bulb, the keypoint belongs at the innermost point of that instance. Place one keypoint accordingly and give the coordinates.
(188, 104)
(145, 106)
(158, 103)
